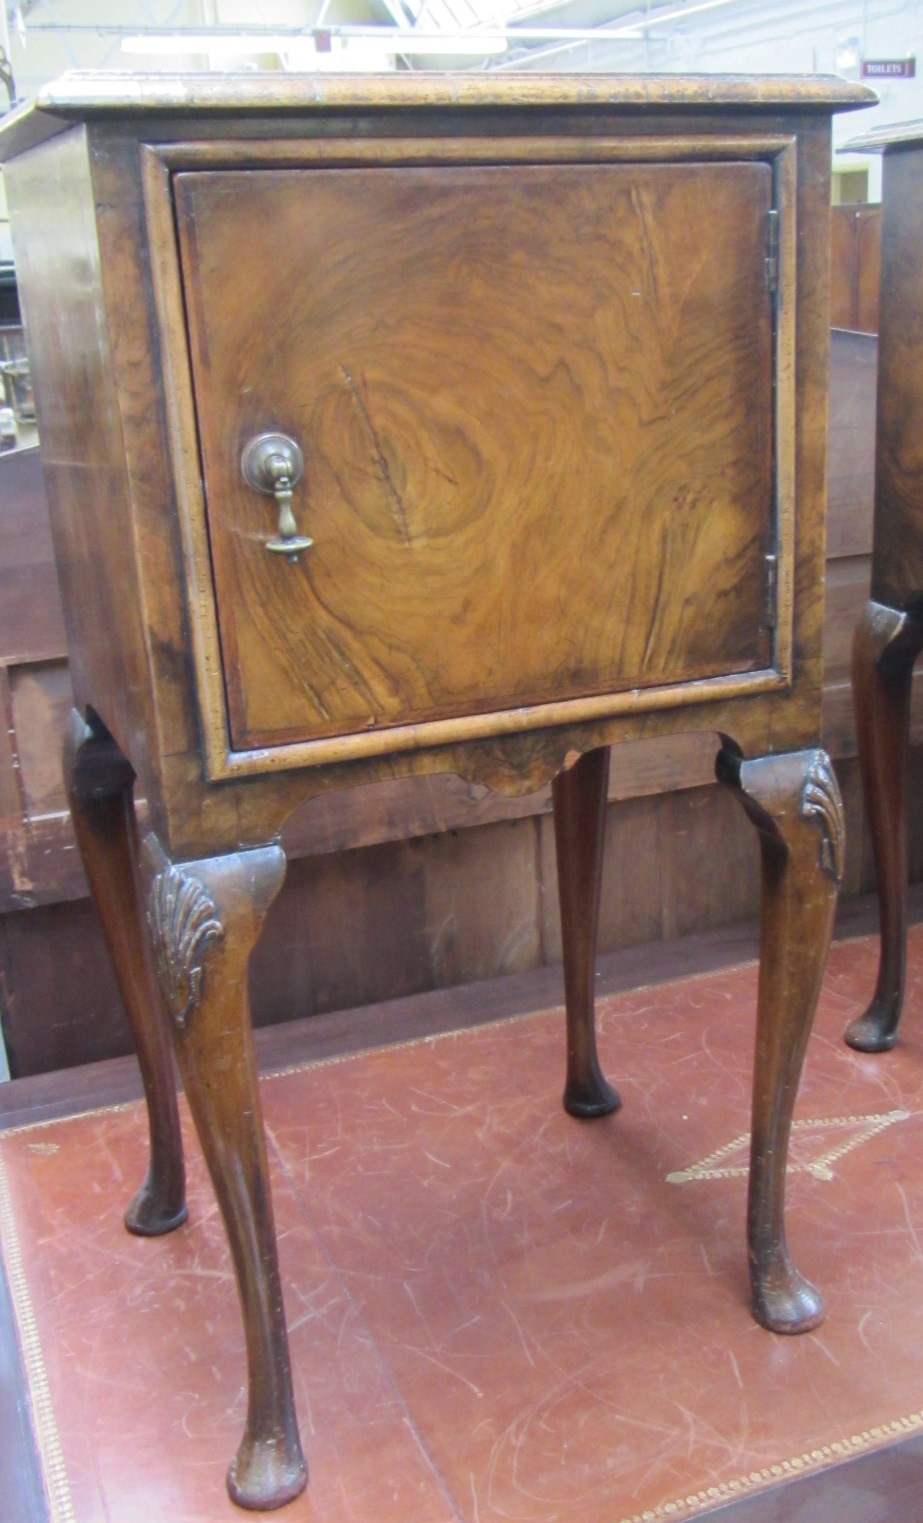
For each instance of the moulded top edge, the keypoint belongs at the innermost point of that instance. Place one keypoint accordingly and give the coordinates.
(897, 135)
(80, 96)
(83, 93)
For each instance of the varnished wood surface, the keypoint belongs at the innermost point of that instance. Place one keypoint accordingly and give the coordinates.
(143, 458)
(851, 444)
(511, 765)
(897, 568)
(892, 135)
(795, 804)
(887, 642)
(889, 634)
(116, 1080)
(213, 1040)
(537, 434)
(61, 1005)
(99, 785)
(165, 744)
(38, 865)
(404, 916)
(580, 832)
(518, 766)
(855, 267)
(31, 622)
(868, 271)
(79, 420)
(88, 94)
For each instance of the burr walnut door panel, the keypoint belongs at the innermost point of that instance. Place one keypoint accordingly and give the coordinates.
(535, 406)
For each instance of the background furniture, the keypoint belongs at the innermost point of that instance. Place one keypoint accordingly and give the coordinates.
(889, 635)
(855, 266)
(563, 487)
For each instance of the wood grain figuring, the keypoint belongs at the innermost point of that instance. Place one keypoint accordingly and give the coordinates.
(812, 365)
(80, 428)
(886, 645)
(868, 237)
(522, 351)
(41, 699)
(855, 267)
(39, 860)
(216, 1043)
(31, 622)
(39, 863)
(61, 1002)
(889, 632)
(12, 800)
(851, 443)
(897, 570)
(847, 597)
(842, 268)
(88, 96)
(407, 807)
(42, 1094)
(168, 755)
(546, 409)
(570, 147)
(795, 804)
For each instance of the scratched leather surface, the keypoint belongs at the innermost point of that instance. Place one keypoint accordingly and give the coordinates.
(498, 1312)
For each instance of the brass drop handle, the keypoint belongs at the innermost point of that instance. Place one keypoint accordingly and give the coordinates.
(274, 464)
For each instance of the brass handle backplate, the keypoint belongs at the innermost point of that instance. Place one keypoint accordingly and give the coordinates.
(274, 464)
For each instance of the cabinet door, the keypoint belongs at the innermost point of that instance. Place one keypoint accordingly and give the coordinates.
(535, 406)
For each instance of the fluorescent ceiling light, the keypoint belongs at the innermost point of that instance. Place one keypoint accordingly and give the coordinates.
(657, 18)
(847, 53)
(389, 40)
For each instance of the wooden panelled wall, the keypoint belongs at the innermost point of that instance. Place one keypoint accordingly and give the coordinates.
(411, 885)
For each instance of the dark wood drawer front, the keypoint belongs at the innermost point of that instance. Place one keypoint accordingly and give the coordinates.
(535, 405)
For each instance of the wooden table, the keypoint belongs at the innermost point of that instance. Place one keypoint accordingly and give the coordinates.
(889, 636)
(542, 364)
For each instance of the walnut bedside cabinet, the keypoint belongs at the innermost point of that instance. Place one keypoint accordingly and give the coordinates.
(417, 424)
(889, 636)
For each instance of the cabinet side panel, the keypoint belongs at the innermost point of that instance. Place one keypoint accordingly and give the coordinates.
(897, 557)
(60, 284)
(801, 725)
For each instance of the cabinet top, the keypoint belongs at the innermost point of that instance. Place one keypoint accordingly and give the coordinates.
(84, 96)
(895, 135)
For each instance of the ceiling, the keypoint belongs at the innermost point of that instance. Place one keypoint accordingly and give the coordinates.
(44, 38)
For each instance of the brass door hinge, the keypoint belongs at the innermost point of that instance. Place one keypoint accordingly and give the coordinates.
(772, 588)
(772, 252)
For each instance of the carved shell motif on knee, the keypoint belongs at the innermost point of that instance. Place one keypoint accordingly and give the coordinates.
(821, 802)
(184, 923)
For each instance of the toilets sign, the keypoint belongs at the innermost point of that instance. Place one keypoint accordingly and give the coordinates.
(889, 68)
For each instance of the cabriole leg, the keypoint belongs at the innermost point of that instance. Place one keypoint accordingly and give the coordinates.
(579, 797)
(885, 646)
(205, 918)
(794, 802)
(100, 785)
